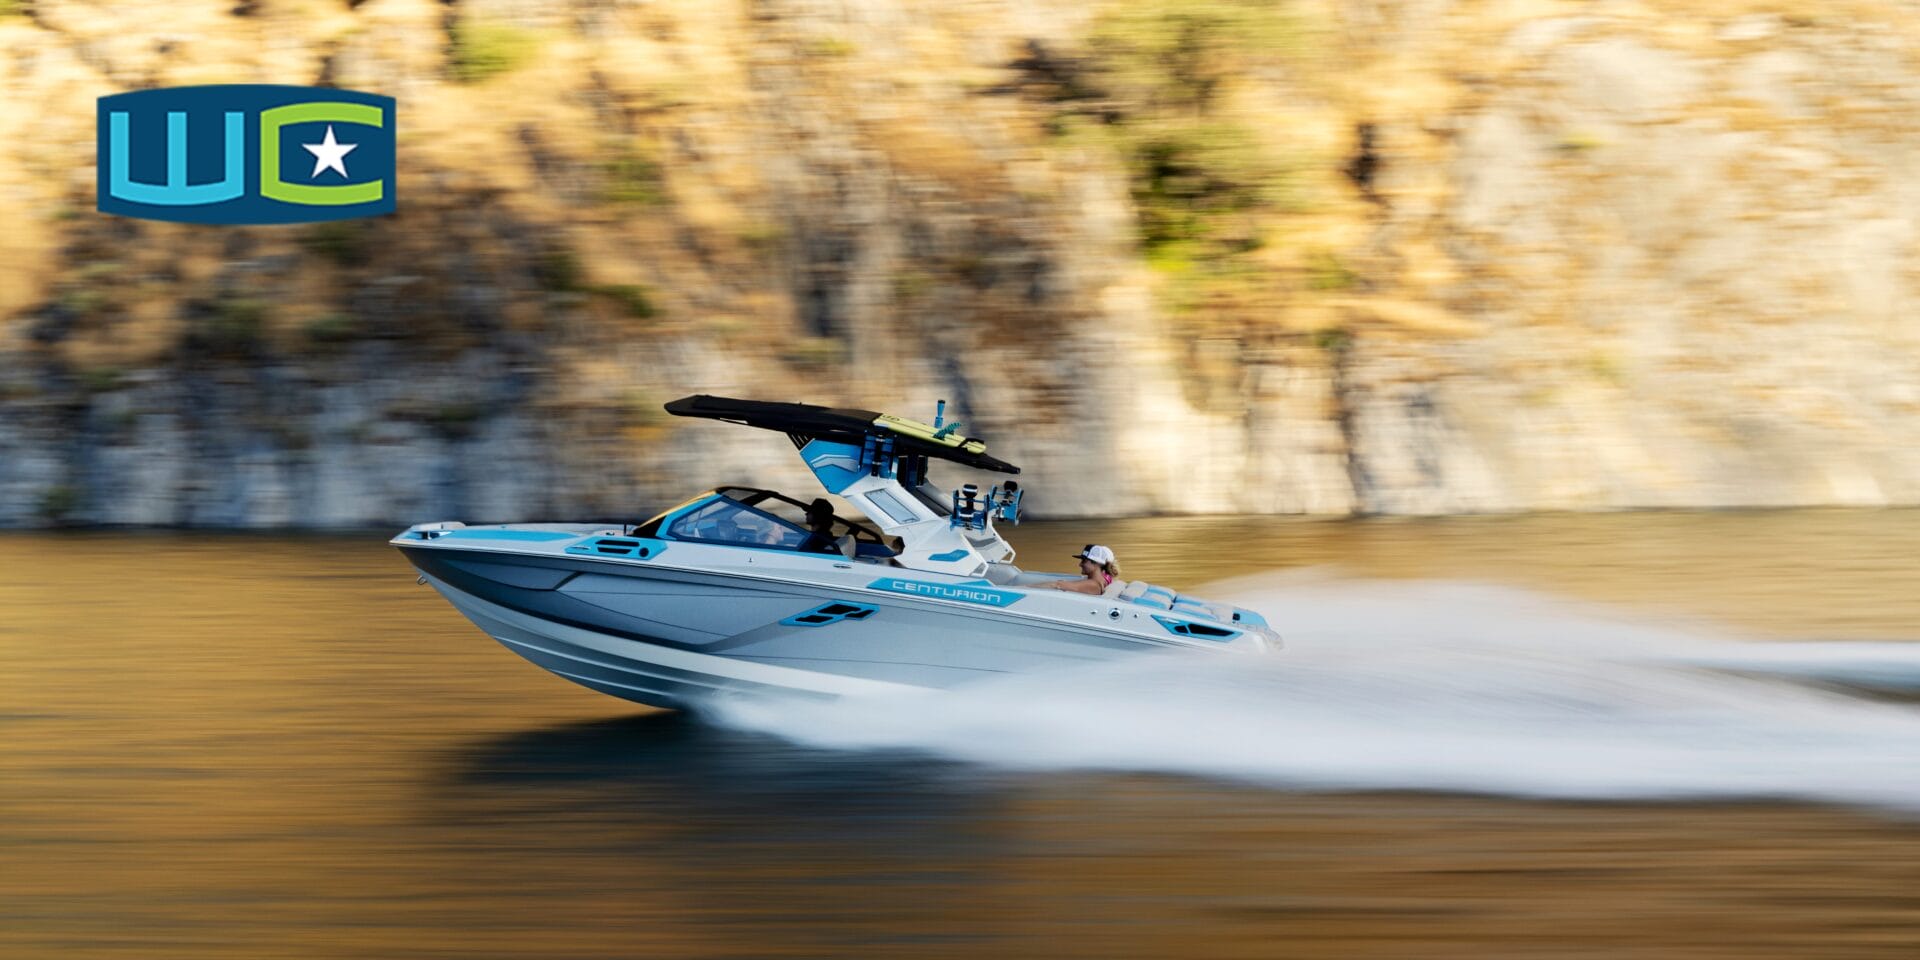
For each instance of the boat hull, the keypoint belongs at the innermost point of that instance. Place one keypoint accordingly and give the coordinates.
(680, 638)
(651, 674)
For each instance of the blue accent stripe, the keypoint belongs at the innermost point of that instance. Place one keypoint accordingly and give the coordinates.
(964, 593)
(530, 536)
(949, 556)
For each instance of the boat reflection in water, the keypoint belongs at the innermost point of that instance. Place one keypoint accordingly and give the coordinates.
(702, 781)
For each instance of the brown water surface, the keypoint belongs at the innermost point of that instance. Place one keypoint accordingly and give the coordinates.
(259, 747)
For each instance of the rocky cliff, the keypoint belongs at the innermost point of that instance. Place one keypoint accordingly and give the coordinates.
(1217, 255)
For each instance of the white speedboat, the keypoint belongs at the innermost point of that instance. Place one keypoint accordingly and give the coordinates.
(744, 590)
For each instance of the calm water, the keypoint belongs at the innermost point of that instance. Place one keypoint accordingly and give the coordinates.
(1489, 738)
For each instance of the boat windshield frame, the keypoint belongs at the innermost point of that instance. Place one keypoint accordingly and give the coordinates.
(867, 541)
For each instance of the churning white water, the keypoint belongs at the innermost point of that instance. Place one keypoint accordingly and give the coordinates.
(1445, 686)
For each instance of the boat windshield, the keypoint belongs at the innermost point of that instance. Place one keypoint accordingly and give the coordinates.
(726, 520)
(746, 517)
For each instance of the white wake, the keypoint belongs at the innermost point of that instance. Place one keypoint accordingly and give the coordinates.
(1443, 686)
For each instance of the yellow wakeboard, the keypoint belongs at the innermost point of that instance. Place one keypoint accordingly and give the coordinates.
(926, 432)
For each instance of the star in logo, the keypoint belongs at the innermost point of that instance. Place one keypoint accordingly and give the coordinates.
(329, 155)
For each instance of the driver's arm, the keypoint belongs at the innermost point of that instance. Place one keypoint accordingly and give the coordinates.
(1079, 585)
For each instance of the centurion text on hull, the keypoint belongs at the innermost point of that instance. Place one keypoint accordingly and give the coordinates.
(744, 590)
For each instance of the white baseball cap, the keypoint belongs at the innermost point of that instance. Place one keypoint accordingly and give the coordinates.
(1096, 553)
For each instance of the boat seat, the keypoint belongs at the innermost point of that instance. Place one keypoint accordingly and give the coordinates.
(1162, 598)
(1002, 574)
(1148, 595)
(1008, 575)
(1115, 589)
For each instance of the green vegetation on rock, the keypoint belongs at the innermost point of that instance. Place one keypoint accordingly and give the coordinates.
(230, 326)
(632, 178)
(102, 379)
(815, 353)
(1152, 87)
(558, 271)
(347, 243)
(332, 328)
(483, 49)
(58, 502)
(631, 297)
(830, 47)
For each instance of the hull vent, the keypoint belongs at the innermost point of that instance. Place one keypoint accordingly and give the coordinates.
(832, 612)
(1187, 628)
(616, 547)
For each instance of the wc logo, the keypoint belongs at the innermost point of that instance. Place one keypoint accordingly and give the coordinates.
(245, 154)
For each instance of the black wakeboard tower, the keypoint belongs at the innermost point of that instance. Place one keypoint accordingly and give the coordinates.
(802, 422)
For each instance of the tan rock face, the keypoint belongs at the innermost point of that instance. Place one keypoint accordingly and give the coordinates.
(1406, 257)
(1695, 254)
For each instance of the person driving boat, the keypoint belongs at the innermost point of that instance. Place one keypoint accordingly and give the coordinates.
(820, 538)
(1098, 571)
